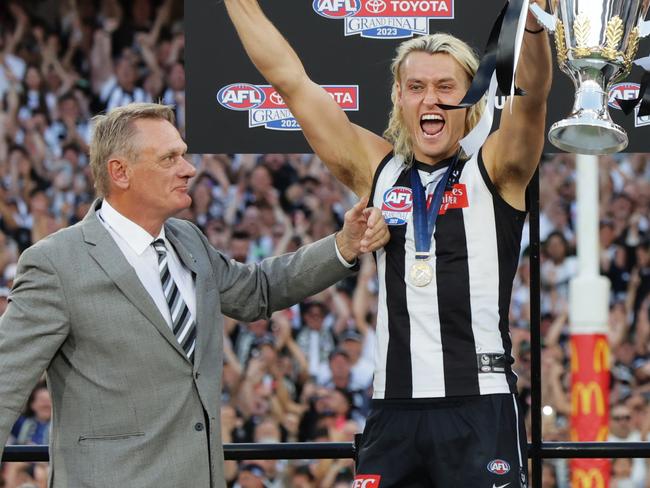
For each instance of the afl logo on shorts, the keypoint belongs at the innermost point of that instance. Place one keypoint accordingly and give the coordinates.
(498, 466)
(240, 96)
(337, 9)
(396, 205)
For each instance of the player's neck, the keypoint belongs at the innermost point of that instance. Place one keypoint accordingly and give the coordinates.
(430, 165)
(435, 160)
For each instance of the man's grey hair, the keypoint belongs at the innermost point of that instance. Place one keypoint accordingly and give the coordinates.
(113, 136)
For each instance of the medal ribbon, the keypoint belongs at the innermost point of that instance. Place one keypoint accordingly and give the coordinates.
(424, 220)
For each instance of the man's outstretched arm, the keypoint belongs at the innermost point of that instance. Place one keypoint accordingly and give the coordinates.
(251, 292)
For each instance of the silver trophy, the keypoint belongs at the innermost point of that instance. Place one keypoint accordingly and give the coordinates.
(596, 43)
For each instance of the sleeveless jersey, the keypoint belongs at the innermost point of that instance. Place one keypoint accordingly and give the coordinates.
(450, 337)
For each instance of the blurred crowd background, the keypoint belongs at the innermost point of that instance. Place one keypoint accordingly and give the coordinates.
(306, 374)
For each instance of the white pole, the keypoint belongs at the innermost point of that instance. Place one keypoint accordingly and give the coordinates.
(588, 291)
(588, 314)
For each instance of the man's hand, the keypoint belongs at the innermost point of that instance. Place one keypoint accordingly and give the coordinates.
(364, 230)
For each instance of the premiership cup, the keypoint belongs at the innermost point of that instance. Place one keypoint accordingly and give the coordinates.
(596, 42)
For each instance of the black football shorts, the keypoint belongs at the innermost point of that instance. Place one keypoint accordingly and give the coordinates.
(462, 442)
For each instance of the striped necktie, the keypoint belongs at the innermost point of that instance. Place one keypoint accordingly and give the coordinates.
(183, 323)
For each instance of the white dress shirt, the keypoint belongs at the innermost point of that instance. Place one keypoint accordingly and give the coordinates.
(135, 244)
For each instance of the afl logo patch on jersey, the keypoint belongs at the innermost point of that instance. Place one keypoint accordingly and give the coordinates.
(396, 205)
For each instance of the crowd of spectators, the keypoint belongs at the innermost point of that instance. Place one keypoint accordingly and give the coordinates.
(624, 233)
(305, 374)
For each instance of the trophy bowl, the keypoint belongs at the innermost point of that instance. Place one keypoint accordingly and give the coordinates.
(596, 42)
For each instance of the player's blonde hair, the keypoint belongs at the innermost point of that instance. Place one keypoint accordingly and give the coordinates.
(397, 132)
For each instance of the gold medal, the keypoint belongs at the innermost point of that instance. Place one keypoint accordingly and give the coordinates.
(421, 273)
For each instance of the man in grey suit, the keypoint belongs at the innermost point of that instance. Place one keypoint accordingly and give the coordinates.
(123, 312)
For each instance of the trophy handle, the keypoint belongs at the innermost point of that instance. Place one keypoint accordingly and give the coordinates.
(549, 21)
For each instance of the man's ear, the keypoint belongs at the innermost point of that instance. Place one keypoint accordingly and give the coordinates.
(119, 173)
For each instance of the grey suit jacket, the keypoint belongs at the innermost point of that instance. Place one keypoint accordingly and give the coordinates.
(129, 409)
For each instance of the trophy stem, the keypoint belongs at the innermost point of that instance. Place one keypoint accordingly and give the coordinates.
(589, 129)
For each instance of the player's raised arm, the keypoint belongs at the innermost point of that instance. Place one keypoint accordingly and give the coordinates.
(512, 153)
(349, 151)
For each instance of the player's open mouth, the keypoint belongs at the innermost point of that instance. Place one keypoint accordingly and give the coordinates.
(431, 124)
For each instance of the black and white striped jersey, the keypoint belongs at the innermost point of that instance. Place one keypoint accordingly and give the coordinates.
(443, 339)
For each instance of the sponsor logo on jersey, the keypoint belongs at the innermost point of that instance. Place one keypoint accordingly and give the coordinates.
(396, 205)
(627, 91)
(498, 466)
(385, 19)
(267, 109)
(366, 481)
(454, 198)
